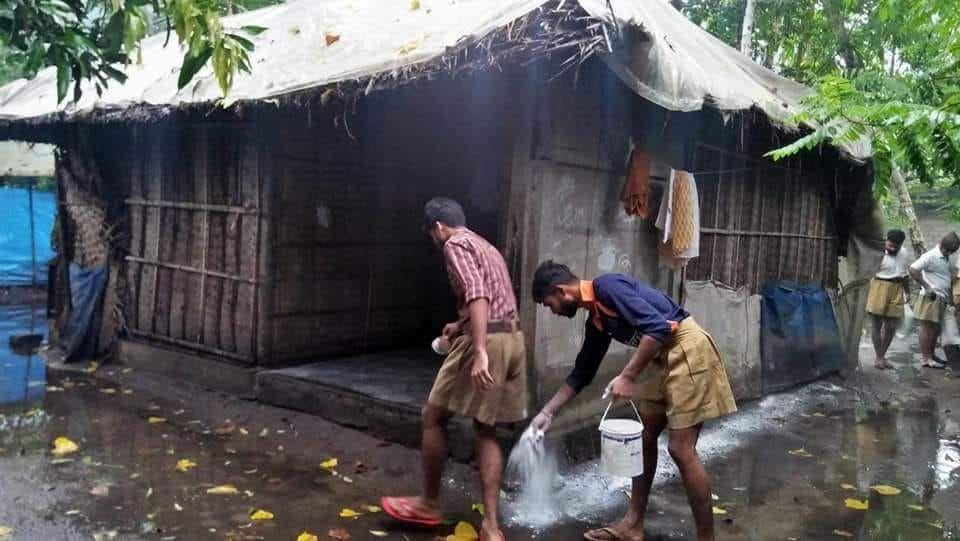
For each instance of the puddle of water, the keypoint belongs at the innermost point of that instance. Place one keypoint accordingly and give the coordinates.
(21, 377)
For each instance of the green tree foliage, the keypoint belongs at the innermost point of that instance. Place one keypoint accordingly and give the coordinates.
(887, 69)
(94, 39)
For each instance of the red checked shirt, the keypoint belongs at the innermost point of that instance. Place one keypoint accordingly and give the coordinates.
(478, 271)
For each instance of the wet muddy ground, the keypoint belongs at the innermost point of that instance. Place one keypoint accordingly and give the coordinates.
(782, 468)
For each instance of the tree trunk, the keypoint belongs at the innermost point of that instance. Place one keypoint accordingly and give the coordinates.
(899, 187)
(746, 34)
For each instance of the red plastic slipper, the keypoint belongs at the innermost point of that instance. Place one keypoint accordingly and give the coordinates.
(401, 509)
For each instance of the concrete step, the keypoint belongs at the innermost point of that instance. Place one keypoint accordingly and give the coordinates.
(380, 393)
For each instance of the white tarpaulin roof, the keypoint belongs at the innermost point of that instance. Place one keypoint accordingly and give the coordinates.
(25, 160)
(682, 68)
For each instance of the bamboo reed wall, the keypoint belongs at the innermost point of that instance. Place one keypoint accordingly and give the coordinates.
(762, 221)
(194, 212)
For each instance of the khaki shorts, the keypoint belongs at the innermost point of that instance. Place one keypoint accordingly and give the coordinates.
(506, 402)
(930, 310)
(691, 386)
(885, 298)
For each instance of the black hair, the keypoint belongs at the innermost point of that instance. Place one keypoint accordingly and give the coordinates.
(896, 236)
(951, 240)
(548, 276)
(443, 210)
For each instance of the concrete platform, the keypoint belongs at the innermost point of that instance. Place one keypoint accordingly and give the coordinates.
(188, 366)
(381, 393)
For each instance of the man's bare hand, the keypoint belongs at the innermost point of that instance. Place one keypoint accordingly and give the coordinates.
(452, 330)
(481, 371)
(621, 388)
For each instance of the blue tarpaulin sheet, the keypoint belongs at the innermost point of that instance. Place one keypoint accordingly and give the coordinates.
(15, 258)
(78, 338)
(799, 337)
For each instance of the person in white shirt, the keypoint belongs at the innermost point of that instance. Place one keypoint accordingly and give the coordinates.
(889, 290)
(935, 274)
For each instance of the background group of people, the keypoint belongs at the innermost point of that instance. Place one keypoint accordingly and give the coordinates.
(890, 294)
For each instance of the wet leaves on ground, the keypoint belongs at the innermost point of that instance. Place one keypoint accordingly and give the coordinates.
(339, 534)
(261, 514)
(886, 490)
(859, 505)
(64, 446)
(801, 452)
(223, 490)
(346, 512)
(185, 465)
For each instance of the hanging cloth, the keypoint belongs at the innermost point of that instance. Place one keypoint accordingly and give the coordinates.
(636, 189)
(679, 220)
(684, 212)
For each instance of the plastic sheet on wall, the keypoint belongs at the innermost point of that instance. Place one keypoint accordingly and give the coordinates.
(78, 338)
(799, 340)
(15, 252)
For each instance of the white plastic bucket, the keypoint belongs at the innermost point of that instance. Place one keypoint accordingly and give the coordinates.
(621, 445)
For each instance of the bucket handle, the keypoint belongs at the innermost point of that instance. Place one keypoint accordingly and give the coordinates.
(610, 405)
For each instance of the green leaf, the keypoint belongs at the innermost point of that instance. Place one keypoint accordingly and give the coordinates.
(254, 30)
(192, 64)
(244, 42)
(63, 80)
(116, 74)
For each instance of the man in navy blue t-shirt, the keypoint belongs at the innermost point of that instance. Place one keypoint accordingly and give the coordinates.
(689, 385)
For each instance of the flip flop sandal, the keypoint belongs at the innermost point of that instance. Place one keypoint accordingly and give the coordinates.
(402, 510)
(604, 534)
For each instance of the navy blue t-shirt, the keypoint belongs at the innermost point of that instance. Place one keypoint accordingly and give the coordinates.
(625, 310)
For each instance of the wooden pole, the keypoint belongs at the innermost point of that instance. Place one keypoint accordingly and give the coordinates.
(899, 186)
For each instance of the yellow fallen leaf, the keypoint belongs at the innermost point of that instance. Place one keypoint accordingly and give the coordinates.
(127, 391)
(244, 431)
(886, 490)
(330, 38)
(63, 446)
(801, 452)
(185, 464)
(7, 531)
(847, 486)
(719, 511)
(478, 507)
(108, 391)
(465, 532)
(177, 506)
(842, 533)
(92, 367)
(329, 464)
(414, 5)
(371, 508)
(818, 414)
(260, 514)
(915, 507)
(307, 536)
(859, 505)
(378, 533)
(349, 513)
(156, 420)
(54, 389)
(223, 490)
(408, 48)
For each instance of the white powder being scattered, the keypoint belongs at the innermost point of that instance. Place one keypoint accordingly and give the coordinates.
(533, 470)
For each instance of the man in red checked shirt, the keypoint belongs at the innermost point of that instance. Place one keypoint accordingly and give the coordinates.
(483, 376)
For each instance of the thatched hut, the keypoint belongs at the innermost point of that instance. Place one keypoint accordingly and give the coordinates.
(279, 226)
